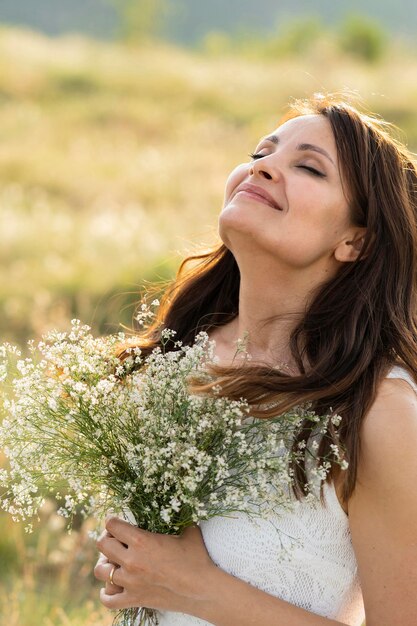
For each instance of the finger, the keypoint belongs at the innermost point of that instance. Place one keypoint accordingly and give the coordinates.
(102, 558)
(112, 549)
(115, 577)
(115, 601)
(123, 531)
(102, 571)
(104, 533)
(112, 589)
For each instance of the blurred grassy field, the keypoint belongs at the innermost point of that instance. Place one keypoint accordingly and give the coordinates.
(113, 160)
(112, 166)
(46, 578)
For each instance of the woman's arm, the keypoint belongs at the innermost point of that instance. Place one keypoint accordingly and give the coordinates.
(383, 508)
(177, 574)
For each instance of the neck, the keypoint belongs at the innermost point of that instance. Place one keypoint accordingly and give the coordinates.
(271, 304)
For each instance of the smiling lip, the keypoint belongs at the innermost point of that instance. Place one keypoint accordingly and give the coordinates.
(258, 194)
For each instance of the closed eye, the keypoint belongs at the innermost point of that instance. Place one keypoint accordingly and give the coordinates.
(312, 170)
(256, 155)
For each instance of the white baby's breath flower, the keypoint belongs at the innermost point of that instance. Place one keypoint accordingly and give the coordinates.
(166, 515)
(336, 420)
(112, 435)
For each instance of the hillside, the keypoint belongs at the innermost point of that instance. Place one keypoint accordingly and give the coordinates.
(112, 159)
(190, 20)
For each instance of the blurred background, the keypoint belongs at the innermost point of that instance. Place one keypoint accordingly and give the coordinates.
(119, 122)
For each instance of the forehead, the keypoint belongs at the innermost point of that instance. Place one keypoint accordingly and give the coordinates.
(307, 128)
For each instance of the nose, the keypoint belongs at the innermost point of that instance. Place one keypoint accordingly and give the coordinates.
(266, 168)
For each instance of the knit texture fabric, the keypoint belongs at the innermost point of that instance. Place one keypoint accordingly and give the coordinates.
(304, 556)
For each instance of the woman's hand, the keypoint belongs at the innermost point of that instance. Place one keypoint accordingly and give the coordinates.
(176, 574)
(157, 571)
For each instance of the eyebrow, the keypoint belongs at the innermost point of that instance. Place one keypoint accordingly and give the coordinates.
(272, 138)
(303, 147)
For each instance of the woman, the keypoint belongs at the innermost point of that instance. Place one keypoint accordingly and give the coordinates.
(318, 270)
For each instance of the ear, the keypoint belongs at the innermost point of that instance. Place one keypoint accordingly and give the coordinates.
(348, 250)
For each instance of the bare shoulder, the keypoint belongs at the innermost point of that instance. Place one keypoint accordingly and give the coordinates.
(390, 427)
(383, 507)
(388, 458)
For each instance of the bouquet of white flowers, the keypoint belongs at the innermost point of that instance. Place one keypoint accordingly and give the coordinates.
(130, 436)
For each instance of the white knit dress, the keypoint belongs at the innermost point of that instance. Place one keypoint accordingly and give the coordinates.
(319, 570)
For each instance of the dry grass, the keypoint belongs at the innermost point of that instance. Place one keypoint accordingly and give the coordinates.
(113, 160)
(46, 577)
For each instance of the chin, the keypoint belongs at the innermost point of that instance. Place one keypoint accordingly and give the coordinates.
(223, 235)
(239, 242)
(238, 216)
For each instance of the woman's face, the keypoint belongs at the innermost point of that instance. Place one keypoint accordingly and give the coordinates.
(288, 201)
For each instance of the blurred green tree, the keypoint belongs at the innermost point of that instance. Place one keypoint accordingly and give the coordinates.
(297, 36)
(141, 19)
(217, 43)
(363, 37)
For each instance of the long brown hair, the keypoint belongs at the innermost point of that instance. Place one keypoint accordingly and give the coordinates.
(358, 324)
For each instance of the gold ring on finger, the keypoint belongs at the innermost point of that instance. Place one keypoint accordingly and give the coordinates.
(114, 568)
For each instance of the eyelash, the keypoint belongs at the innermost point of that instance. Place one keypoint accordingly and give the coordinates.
(312, 170)
(255, 155)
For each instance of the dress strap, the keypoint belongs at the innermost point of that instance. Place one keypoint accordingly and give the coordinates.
(400, 372)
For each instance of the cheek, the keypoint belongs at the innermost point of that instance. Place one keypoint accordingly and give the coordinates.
(236, 177)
